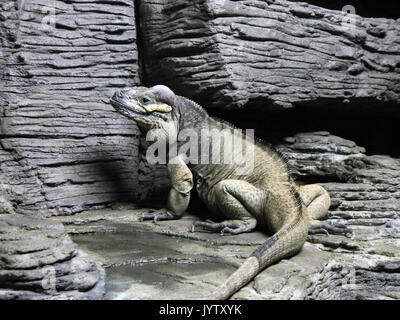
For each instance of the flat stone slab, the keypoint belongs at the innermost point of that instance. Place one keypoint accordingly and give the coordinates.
(165, 260)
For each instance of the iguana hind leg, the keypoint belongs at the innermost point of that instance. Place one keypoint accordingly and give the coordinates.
(237, 200)
(316, 199)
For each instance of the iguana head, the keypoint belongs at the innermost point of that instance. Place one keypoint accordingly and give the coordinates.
(151, 108)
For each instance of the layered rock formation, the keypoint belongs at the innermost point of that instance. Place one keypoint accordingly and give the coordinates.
(38, 260)
(5, 204)
(276, 54)
(63, 148)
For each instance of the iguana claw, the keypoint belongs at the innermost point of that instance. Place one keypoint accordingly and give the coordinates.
(209, 225)
(157, 215)
(230, 231)
(224, 227)
(327, 228)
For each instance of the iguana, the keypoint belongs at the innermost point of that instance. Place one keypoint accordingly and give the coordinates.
(266, 196)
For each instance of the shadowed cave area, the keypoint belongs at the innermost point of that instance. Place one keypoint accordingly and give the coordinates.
(364, 8)
(377, 134)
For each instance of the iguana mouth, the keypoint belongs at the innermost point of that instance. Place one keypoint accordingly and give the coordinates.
(124, 109)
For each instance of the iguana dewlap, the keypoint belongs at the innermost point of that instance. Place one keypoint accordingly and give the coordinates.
(265, 196)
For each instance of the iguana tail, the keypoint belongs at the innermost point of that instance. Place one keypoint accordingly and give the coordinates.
(285, 242)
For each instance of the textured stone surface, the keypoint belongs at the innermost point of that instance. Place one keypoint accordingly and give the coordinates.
(364, 189)
(62, 148)
(38, 260)
(277, 54)
(153, 179)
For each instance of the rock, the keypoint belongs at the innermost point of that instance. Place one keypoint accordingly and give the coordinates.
(321, 155)
(236, 54)
(63, 147)
(38, 260)
(364, 189)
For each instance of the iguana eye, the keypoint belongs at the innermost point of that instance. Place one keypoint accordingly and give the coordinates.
(145, 100)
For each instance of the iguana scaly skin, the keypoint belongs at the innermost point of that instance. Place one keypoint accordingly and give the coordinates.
(266, 196)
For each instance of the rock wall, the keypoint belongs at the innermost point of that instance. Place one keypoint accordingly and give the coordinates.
(269, 54)
(364, 189)
(63, 148)
(38, 260)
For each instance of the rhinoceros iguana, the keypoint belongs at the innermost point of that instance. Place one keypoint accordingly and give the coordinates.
(265, 196)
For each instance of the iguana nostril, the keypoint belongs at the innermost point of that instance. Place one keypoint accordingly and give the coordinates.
(131, 94)
(119, 94)
(116, 95)
(122, 93)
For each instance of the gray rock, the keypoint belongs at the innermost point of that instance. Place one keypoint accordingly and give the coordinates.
(63, 148)
(269, 54)
(38, 260)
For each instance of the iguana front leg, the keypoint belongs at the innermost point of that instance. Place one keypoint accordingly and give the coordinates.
(179, 196)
